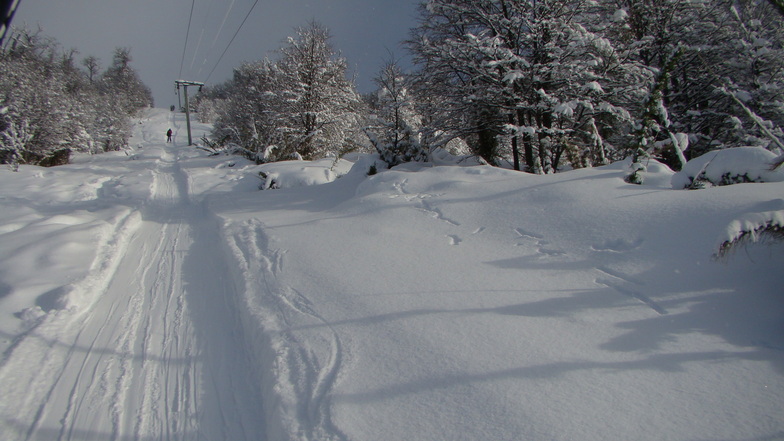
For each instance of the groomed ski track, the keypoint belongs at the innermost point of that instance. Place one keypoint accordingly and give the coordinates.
(155, 350)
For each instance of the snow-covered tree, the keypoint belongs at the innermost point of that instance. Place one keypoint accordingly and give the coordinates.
(393, 129)
(301, 105)
(317, 104)
(52, 108)
(538, 72)
(93, 66)
(247, 111)
(725, 89)
(754, 75)
(122, 83)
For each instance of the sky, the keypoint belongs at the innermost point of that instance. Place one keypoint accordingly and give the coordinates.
(365, 32)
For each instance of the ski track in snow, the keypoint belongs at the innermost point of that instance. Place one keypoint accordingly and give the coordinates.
(305, 368)
(148, 354)
(621, 284)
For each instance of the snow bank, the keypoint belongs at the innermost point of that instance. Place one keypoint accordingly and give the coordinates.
(288, 174)
(729, 166)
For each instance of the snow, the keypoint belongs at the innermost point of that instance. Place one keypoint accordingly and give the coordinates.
(750, 164)
(593, 86)
(620, 15)
(287, 174)
(161, 295)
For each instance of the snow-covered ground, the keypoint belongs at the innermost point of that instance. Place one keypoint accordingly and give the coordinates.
(160, 295)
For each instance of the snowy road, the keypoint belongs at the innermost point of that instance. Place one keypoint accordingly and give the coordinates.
(158, 354)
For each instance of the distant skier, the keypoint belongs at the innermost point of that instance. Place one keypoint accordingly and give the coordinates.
(168, 135)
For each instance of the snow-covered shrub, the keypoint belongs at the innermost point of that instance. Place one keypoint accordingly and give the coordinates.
(368, 165)
(405, 149)
(299, 173)
(754, 228)
(727, 167)
(13, 139)
(268, 181)
(215, 147)
(636, 176)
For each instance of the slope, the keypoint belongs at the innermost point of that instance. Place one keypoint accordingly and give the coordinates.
(160, 295)
(451, 303)
(145, 346)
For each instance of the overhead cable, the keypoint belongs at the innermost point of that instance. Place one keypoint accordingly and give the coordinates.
(187, 33)
(232, 40)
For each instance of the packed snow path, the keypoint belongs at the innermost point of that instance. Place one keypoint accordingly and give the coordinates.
(158, 355)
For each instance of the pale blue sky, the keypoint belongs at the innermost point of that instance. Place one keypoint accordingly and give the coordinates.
(363, 31)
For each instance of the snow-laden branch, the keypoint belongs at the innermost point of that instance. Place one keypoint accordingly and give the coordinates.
(751, 227)
(761, 124)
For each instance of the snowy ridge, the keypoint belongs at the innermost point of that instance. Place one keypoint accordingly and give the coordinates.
(113, 244)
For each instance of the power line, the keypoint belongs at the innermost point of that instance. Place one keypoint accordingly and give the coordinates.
(217, 35)
(187, 34)
(223, 23)
(232, 40)
(201, 35)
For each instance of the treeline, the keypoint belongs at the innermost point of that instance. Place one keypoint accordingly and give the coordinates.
(535, 85)
(51, 104)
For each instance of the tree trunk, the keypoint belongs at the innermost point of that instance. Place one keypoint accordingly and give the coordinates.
(515, 148)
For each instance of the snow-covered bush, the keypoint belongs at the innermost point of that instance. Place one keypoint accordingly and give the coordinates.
(727, 167)
(13, 139)
(404, 149)
(753, 227)
(299, 173)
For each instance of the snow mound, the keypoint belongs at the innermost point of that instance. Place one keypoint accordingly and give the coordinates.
(289, 174)
(727, 167)
(440, 156)
(752, 226)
